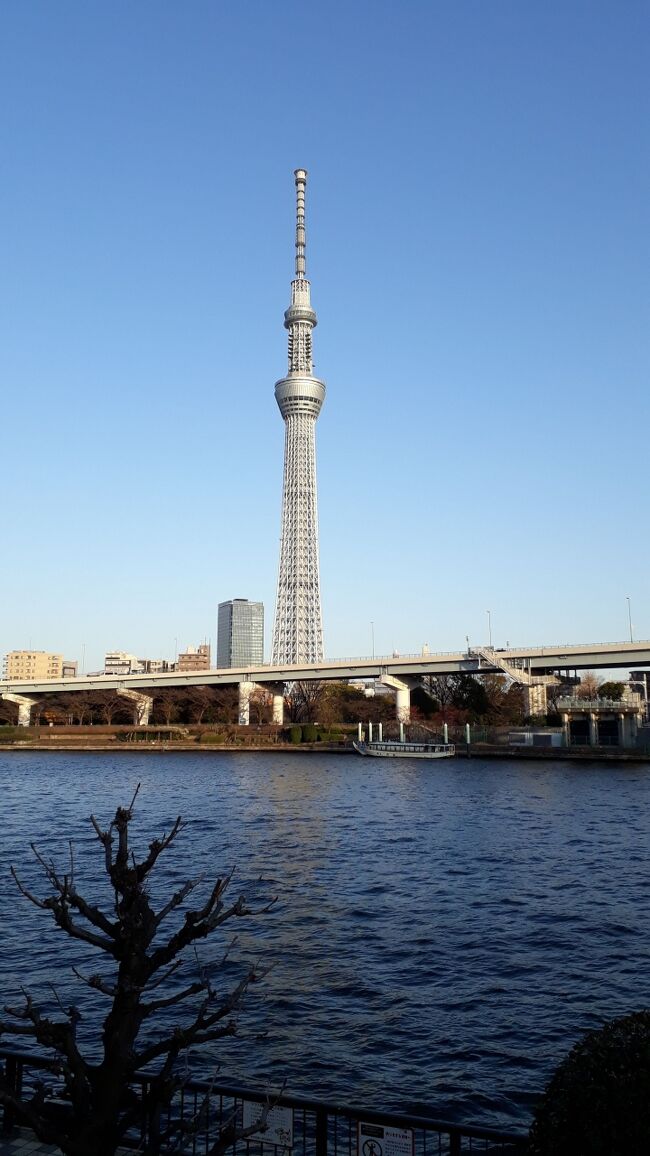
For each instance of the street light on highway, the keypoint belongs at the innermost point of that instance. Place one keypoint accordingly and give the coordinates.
(489, 614)
(629, 616)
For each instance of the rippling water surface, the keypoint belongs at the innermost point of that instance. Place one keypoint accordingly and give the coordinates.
(444, 931)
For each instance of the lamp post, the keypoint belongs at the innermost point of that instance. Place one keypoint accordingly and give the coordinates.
(489, 614)
(629, 616)
(372, 631)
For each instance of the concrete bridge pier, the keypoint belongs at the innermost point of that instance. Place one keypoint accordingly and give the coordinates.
(623, 731)
(402, 695)
(246, 690)
(277, 690)
(142, 705)
(593, 729)
(628, 725)
(25, 705)
(535, 699)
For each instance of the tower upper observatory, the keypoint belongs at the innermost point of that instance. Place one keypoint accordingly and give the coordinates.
(300, 319)
(298, 631)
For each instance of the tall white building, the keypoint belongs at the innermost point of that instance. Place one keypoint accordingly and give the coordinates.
(298, 628)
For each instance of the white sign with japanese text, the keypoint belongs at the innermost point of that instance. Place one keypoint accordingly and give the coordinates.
(376, 1140)
(279, 1124)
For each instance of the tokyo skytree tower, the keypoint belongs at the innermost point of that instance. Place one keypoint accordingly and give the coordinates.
(298, 628)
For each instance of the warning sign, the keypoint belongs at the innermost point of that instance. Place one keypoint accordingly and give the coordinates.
(375, 1140)
(279, 1124)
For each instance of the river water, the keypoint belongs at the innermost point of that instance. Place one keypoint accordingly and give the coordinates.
(444, 932)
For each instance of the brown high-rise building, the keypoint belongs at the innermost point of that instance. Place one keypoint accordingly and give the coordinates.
(195, 659)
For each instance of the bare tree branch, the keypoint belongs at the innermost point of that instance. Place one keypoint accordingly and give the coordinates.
(102, 1104)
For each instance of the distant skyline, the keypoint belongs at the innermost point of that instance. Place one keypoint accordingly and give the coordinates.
(478, 230)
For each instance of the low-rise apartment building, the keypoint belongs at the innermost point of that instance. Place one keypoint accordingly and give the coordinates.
(32, 665)
(195, 658)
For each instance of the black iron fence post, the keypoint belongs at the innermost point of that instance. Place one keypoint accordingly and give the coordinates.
(331, 1126)
(13, 1080)
(321, 1132)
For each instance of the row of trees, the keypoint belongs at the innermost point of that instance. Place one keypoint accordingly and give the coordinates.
(199, 704)
(455, 699)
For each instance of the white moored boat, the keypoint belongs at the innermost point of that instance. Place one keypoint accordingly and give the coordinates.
(394, 749)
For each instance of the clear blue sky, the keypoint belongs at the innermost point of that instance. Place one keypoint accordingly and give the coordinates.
(478, 249)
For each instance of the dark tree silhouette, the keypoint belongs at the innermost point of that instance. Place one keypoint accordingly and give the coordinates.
(8, 712)
(102, 1106)
(167, 703)
(110, 705)
(304, 700)
(199, 701)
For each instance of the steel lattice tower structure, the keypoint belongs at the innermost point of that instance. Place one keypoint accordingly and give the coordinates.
(298, 628)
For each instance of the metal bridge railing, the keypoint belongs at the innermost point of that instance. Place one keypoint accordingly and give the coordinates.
(296, 1126)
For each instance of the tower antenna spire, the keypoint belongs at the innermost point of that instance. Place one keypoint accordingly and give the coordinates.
(301, 181)
(298, 628)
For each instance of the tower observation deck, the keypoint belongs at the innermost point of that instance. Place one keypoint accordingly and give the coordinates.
(298, 629)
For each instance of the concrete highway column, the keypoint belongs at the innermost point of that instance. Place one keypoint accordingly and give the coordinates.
(566, 727)
(403, 704)
(535, 699)
(277, 690)
(25, 705)
(246, 689)
(593, 730)
(142, 705)
(402, 696)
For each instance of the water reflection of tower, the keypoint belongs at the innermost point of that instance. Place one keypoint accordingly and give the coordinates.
(298, 630)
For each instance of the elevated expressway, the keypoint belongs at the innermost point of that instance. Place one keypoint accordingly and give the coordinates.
(532, 667)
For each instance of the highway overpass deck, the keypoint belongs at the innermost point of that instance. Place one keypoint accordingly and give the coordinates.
(535, 660)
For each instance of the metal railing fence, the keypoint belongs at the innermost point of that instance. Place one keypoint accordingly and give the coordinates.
(296, 1125)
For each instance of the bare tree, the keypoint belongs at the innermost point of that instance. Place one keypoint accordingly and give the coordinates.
(142, 960)
(226, 700)
(80, 705)
(110, 704)
(167, 704)
(58, 709)
(589, 686)
(199, 701)
(441, 688)
(304, 700)
(261, 705)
